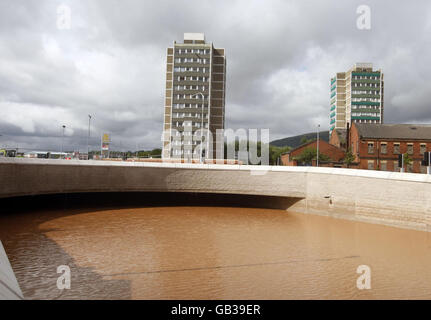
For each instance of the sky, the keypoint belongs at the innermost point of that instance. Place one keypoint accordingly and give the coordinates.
(109, 62)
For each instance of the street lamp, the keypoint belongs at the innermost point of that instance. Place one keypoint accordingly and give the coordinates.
(202, 121)
(62, 139)
(317, 162)
(88, 138)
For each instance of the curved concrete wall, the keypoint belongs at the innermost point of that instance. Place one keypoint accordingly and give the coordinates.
(391, 198)
(9, 288)
(33, 176)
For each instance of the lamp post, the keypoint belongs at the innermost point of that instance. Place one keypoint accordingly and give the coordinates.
(202, 122)
(317, 161)
(62, 140)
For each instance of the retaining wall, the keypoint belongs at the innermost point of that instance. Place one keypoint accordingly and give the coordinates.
(390, 198)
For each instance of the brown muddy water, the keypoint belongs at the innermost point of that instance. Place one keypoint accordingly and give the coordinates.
(211, 253)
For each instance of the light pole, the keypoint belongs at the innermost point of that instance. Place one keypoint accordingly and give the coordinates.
(317, 161)
(62, 140)
(202, 122)
(88, 138)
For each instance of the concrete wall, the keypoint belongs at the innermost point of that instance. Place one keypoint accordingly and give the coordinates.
(9, 288)
(21, 177)
(390, 198)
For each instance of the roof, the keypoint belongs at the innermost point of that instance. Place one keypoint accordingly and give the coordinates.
(45, 152)
(394, 131)
(309, 143)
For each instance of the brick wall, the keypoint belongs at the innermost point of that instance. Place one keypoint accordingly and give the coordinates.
(334, 139)
(376, 158)
(336, 154)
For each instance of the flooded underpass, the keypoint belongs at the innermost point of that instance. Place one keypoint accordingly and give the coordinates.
(195, 246)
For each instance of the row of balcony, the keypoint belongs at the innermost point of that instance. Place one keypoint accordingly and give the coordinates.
(182, 107)
(190, 82)
(191, 91)
(194, 128)
(191, 64)
(191, 73)
(366, 95)
(365, 118)
(194, 54)
(365, 103)
(365, 110)
(366, 74)
(365, 81)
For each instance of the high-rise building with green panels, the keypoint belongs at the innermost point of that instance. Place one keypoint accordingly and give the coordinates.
(356, 96)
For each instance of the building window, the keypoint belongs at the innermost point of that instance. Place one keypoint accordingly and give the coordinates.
(410, 148)
(370, 164)
(384, 148)
(370, 147)
(423, 148)
(396, 148)
(383, 166)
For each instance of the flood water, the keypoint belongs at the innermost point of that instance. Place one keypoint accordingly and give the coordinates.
(212, 253)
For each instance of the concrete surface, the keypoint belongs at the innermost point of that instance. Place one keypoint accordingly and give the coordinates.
(390, 198)
(9, 288)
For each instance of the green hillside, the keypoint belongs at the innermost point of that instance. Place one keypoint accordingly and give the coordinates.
(295, 141)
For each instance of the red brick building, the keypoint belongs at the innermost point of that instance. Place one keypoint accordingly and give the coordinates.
(377, 146)
(334, 153)
(338, 138)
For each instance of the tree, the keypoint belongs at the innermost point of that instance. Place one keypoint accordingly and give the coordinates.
(349, 158)
(275, 153)
(407, 161)
(156, 152)
(305, 140)
(310, 154)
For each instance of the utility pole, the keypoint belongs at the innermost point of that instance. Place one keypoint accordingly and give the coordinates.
(62, 139)
(429, 163)
(88, 138)
(401, 162)
(318, 129)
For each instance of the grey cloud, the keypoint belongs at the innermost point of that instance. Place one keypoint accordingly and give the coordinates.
(281, 55)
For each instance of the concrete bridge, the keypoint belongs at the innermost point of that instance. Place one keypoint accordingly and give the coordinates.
(390, 198)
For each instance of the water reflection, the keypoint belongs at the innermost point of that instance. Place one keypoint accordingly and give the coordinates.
(211, 253)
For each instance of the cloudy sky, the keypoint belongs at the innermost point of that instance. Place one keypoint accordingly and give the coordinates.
(281, 54)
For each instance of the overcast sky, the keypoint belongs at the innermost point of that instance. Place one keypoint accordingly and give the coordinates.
(280, 58)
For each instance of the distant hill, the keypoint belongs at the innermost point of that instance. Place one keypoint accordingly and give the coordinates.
(295, 141)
